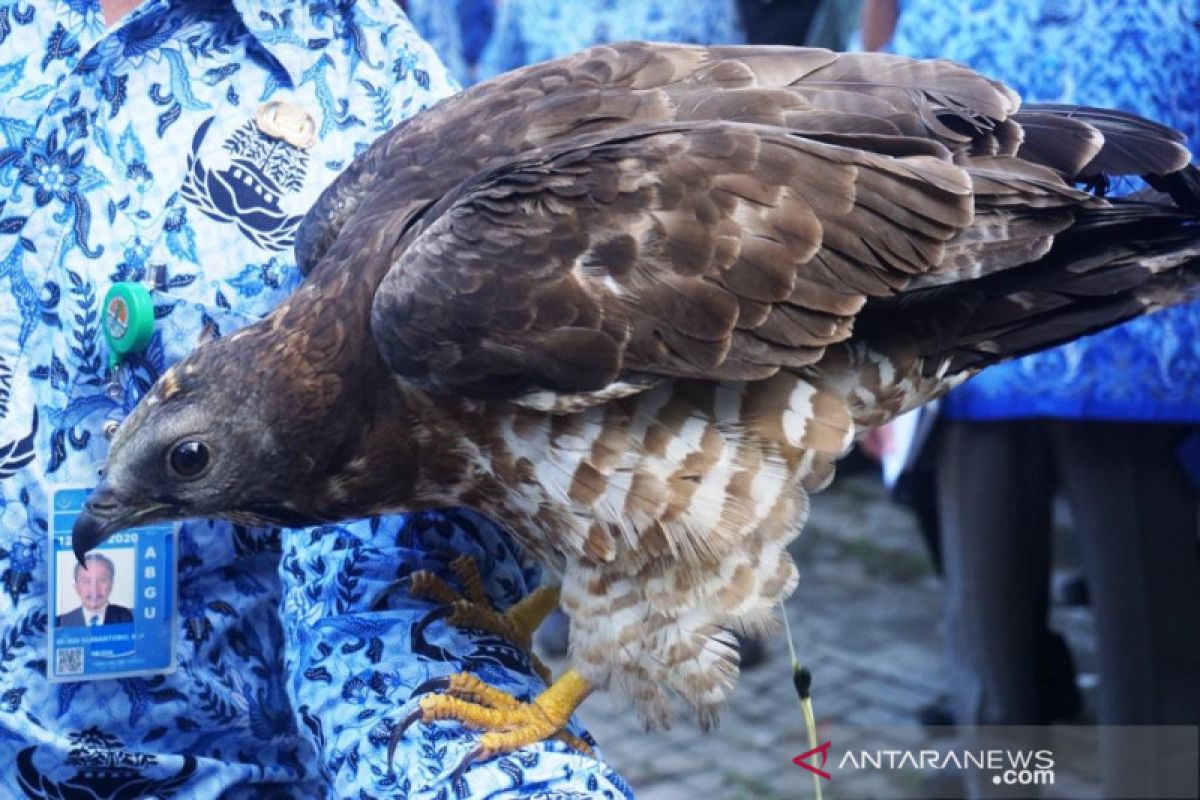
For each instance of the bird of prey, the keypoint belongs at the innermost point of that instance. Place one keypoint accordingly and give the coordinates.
(633, 304)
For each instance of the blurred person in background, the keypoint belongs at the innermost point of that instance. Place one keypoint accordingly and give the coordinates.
(831, 24)
(457, 30)
(529, 31)
(478, 39)
(1110, 419)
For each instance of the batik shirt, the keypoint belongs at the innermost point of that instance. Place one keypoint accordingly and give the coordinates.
(133, 154)
(439, 22)
(529, 31)
(1138, 56)
(478, 39)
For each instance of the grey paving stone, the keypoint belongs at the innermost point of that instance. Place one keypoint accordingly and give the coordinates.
(704, 783)
(664, 792)
(891, 694)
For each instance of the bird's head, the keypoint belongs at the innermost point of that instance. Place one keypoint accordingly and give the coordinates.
(208, 441)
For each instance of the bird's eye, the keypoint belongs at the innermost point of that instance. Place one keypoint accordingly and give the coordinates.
(189, 459)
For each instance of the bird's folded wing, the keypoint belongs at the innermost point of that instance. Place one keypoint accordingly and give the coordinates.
(582, 227)
(706, 250)
(605, 89)
(1084, 142)
(1114, 263)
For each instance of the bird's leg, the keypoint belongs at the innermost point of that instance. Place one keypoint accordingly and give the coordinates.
(517, 624)
(531, 611)
(509, 723)
(476, 611)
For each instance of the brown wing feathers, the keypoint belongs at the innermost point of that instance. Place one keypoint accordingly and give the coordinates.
(1113, 264)
(661, 239)
(614, 87)
(1128, 145)
(643, 210)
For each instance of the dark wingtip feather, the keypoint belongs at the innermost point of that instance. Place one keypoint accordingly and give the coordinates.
(1132, 145)
(1117, 262)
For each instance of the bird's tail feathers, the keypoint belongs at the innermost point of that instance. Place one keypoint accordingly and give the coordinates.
(1114, 264)
(1084, 143)
(1182, 186)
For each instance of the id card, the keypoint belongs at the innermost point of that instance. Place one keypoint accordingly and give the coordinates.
(114, 617)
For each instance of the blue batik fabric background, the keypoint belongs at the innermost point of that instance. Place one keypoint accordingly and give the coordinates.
(482, 38)
(1142, 57)
(529, 31)
(131, 154)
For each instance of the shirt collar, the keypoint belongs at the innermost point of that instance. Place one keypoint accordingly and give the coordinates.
(285, 30)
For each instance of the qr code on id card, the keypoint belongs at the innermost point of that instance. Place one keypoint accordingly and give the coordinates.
(70, 661)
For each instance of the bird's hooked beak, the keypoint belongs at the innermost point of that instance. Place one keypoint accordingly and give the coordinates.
(101, 517)
(104, 514)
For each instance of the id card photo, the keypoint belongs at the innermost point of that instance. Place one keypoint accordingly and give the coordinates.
(112, 615)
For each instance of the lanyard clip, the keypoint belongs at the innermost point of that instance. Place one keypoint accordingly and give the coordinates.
(128, 320)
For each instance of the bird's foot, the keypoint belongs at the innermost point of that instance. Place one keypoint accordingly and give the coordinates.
(473, 609)
(509, 723)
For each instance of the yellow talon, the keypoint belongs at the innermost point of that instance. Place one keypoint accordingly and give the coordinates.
(422, 584)
(465, 686)
(427, 586)
(509, 723)
(468, 574)
(475, 610)
(436, 707)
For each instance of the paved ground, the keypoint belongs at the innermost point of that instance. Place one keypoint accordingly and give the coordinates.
(866, 620)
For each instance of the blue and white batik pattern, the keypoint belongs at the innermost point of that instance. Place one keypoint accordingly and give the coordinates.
(132, 154)
(1140, 57)
(529, 31)
(440, 23)
(478, 39)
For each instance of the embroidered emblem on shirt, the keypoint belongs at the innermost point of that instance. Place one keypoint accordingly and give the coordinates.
(104, 771)
(248, 190)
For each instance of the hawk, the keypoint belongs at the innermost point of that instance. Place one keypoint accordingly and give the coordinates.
(633, 304)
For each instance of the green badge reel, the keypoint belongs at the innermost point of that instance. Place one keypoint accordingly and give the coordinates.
(128, 320)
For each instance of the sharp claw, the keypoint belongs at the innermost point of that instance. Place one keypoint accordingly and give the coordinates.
(432, 685)
(398, 734)
(381, 600)
(478, 753)
(428, 687)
